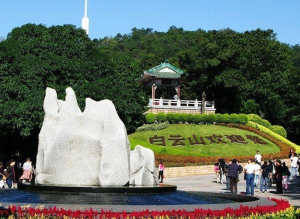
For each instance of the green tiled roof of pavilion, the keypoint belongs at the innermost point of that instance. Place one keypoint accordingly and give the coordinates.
(156, 71)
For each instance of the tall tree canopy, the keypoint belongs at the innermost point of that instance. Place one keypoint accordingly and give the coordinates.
(34, 57)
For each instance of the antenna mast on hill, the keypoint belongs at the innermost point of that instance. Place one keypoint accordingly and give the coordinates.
(85, 20)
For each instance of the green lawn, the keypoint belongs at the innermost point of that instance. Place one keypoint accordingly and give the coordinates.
(221, 149)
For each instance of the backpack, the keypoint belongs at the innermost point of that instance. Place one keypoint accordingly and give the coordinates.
(240, 169)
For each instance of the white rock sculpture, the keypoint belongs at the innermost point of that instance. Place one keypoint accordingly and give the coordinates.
(82, 148)
(142, 167)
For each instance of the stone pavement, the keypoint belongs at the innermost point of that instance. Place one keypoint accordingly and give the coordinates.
(208, 183)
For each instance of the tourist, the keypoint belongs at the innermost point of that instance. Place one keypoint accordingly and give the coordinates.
(11, 171)
(217, 172)
(2, 177)
(249, 171)
(290, 154)
(161, 169)
(294, 160)
(222, 169)
(257, 157)
(285, 175)
(257, 173)
(278, 177)
(266, 169)
(27, 171)
(233, 173)
(226, 171)
(271, 174)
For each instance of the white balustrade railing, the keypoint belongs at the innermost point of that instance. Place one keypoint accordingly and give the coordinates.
(183, 104)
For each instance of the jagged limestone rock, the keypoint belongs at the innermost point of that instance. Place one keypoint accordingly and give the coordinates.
(81, 148)
(142, 167)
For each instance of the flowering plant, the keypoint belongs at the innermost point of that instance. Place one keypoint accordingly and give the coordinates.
(282, 209)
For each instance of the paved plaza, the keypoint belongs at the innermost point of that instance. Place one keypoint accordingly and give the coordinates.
(208, 183)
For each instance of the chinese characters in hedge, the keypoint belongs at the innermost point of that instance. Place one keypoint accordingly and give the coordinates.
(178, 140)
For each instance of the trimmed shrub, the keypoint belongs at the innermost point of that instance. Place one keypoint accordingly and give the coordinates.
(183, 117)
(218, 118)
(242, 119)
(161, 117)
(226, 118)
(152, 127)
(171, 118)
(233, 118)
(257, 119)
(150, 118)
(198, 118)
(203, 118)
(211, 118)
(190, 118)
(279, 130)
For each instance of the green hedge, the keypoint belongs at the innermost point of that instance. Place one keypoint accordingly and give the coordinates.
(257, 119)
(279, 130)
(150, 118)
(174, 118)
(273, 134)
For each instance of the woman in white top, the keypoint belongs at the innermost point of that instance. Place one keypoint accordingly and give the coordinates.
(27, 170)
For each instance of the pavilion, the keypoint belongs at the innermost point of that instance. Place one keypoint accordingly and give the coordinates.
(162, 84)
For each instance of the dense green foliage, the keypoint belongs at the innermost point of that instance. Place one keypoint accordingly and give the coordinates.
(250, 72)
(279, 130)
(34, 57)
(174, 118)
(257, 119)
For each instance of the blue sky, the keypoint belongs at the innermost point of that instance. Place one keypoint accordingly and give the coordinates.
(109, 17)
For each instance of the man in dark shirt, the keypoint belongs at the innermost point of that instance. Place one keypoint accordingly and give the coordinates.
(233, 174)
(265, 172)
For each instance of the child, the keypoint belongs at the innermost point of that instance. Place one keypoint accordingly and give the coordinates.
(217, 172)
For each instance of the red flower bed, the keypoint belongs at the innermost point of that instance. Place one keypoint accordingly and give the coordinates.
(171, 160)
(243, 211)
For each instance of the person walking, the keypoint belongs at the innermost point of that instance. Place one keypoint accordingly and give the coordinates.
(222, 170)
(285, 175)
(226, 173)
(264, 179)
(233, 173)
(257, 173)
(12, 175)
(294, 160)
(161, 169)
(27, 171)
(257, 157)
(249, 170)
(278, 177)
(217, 172)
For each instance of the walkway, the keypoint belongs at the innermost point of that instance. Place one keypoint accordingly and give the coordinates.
(208, 183)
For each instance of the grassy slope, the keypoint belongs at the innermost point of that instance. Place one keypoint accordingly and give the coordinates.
(229, 149)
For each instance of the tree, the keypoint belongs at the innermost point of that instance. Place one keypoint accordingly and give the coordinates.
(34, 57)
